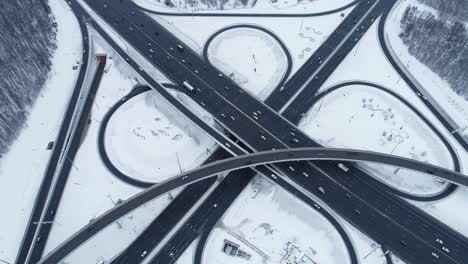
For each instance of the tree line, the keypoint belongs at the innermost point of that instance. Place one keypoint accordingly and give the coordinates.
(451, 9)
(439, 43)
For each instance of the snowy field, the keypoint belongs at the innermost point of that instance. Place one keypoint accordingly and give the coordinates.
(453, 104)
(365, 59)
(146, 140)
(374, 120)
(302, 35)
(259, 7)
(261, 219)
(21, 169)
(252, 58)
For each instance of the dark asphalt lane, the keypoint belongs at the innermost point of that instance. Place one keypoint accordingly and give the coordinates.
(152, 235)
(157, 230)
(133, 253)
(246, 161)
(205, 215)
(43, 231)
(275, 100)
(27, 243)
(135, 182)
(205, 230)
(326, 55)
(155, 85)
(168, 218)
(369, 197)
(163, 224)
(101, 142)
(144, 243)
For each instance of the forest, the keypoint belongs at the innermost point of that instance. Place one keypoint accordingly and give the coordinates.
(27, 41)
(208, 4)
(453, 9)
(439, 42)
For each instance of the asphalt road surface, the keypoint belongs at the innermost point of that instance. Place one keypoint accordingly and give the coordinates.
(39, 208)
(280, 133)
(183, 64)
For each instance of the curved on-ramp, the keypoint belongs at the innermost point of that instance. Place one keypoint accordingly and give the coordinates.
(141, 89)
(280, 42)
(239, 162)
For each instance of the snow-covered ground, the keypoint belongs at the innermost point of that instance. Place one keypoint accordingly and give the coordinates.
(301, 35)
(450, 210)
(146, 140)
(196, 5)
(251, 57)
(261, 219)
(259, 7)
(22, 169)
(188, 255)
(116, 237)
(453, 104)
(371, 119)
(373, 67)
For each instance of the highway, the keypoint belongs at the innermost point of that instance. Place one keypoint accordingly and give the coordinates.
(192, 192)
(56, 158)
(240, 162)
(152, 235)
(206, 215)
(367, 197)
(307, 100)
(315, 71)
(222, 207)
(224, 194)
(176, 64)
(279, 97)
(59, 184)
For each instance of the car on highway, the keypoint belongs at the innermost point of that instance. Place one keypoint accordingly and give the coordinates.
(343, 167)
(188, 86)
